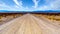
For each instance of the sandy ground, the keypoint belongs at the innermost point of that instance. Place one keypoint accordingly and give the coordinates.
(29, 24)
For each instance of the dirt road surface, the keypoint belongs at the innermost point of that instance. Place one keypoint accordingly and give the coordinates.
(29, 24)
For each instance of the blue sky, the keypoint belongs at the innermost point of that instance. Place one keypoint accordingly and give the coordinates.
(29, 5)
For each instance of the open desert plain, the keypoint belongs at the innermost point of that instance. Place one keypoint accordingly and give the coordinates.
(29, 24)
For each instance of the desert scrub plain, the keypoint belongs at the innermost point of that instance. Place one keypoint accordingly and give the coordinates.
(7, 17)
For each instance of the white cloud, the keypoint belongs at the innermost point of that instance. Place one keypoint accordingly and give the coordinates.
(18, 3)
(51, 5)
(16, 6)
(3, 6)
(56, 4)
(36, 3)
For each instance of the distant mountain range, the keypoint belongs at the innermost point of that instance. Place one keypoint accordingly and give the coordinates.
(38, 11)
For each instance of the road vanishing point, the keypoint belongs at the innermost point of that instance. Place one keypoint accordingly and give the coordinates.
(29, 24)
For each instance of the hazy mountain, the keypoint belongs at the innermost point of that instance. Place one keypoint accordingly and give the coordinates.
(38, 11)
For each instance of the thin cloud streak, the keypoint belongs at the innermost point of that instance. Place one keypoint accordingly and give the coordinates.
(35, 3)
(18, 3)
(50, 5)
